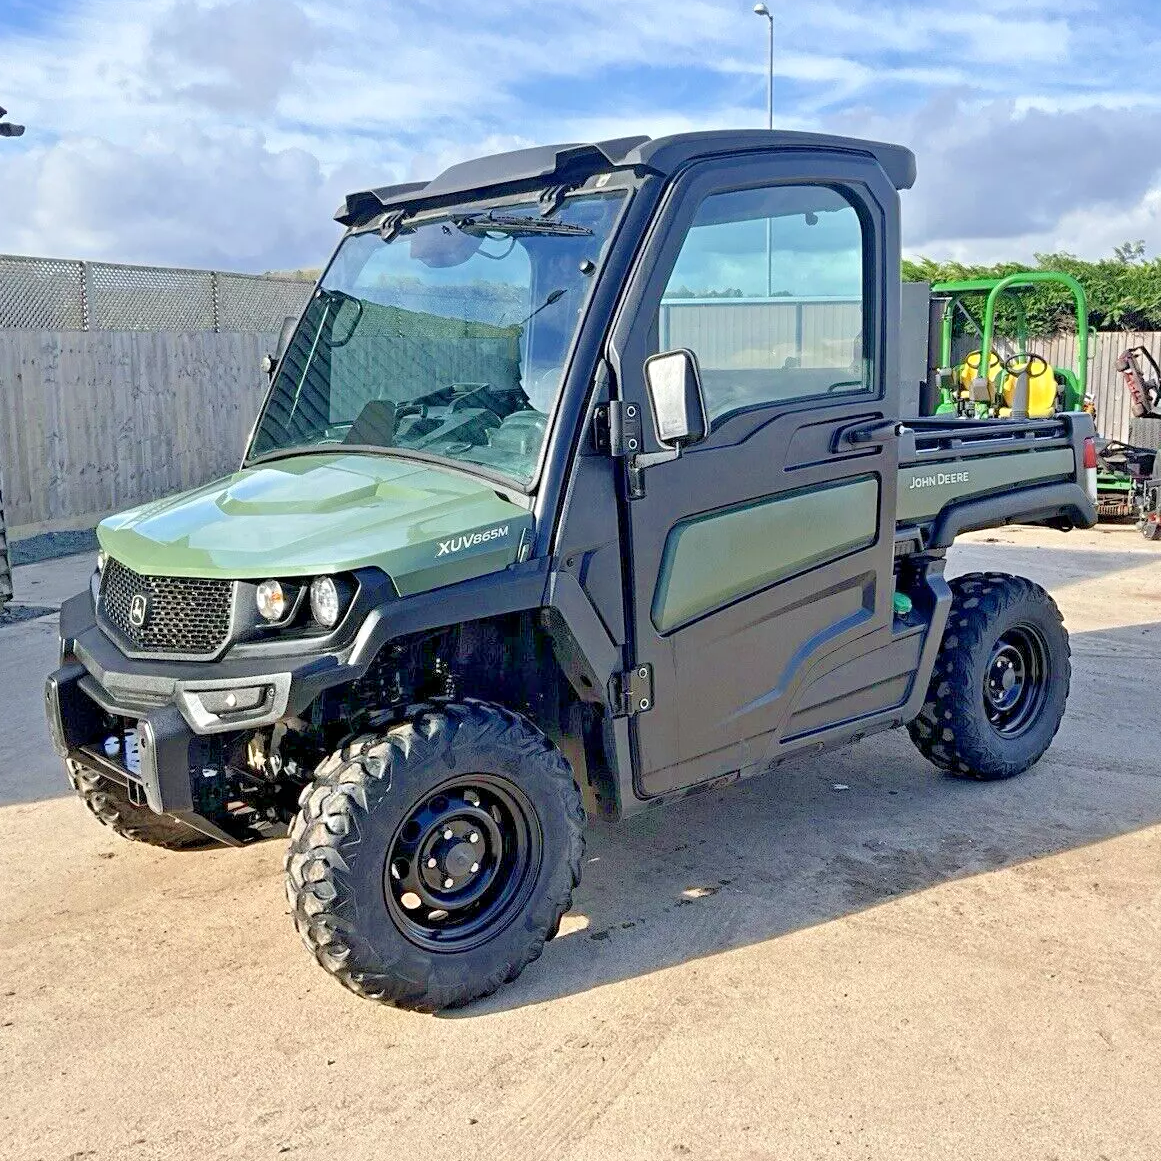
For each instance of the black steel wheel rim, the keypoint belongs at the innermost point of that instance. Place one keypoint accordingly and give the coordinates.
(462, 863)
(1016, 681)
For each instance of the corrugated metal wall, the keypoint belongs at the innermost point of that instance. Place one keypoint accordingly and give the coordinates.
(92, 422)
(738, 335)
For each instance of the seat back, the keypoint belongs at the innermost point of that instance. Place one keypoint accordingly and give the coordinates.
(375, 425)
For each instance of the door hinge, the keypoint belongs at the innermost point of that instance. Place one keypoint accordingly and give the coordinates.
(617, 428)
(631, 692)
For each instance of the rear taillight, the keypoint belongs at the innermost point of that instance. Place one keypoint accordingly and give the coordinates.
(1090, 468)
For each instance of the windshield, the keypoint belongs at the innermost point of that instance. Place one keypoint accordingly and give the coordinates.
(449, 338)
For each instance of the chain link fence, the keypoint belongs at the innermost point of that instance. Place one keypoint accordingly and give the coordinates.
(61, 294)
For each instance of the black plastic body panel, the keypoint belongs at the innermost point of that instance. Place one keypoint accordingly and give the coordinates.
(1059, 505)
(733, 688)
(576, 161)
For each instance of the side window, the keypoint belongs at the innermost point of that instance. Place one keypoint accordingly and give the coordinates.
(768, 293)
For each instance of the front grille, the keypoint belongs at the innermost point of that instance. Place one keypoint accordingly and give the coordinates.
(189, 616)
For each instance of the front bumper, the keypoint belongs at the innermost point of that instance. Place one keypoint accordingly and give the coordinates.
(181, 709)
(183, 712)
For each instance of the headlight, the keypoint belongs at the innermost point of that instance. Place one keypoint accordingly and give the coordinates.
(326, 602)
(272, 600)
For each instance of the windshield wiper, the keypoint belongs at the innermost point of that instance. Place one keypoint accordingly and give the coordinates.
(515, 225)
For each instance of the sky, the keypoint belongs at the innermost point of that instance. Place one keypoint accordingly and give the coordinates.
(224, 133)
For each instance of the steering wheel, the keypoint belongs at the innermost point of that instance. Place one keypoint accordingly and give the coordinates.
(1030, 365)
(973, 359)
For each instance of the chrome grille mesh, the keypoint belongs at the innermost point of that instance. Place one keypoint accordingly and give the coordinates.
(184, 615)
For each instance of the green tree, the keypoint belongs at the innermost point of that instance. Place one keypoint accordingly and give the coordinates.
(1124, 290)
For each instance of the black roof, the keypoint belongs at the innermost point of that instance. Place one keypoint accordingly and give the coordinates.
(575, 162)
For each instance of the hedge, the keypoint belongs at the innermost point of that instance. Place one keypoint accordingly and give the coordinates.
(1122, 295)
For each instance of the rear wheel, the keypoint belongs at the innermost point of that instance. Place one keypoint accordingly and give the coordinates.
(109, 801)
(1000, 684)
(429, 863)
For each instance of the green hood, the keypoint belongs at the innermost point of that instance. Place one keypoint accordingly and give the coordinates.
(423, 526)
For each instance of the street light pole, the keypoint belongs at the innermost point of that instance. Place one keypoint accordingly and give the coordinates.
(762, 10)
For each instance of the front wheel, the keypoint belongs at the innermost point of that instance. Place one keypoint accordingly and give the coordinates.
(1000, 683)
(109, 802)
(429, 863)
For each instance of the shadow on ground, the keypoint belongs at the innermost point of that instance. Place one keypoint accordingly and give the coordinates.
(790, 849)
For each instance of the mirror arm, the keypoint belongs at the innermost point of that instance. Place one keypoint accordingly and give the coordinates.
(638, 464)
(648, 459)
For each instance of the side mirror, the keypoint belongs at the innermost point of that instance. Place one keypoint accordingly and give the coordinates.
(673, 380)
(284, 337)
(270, 362)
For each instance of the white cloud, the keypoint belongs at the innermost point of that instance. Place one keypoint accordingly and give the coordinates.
(225, 131)
(225, 200)
(207, 55)
(997, 181)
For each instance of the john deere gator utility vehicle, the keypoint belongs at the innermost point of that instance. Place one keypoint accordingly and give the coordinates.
(581, 485)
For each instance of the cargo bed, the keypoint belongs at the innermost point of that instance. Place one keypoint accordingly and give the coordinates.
(956, 475)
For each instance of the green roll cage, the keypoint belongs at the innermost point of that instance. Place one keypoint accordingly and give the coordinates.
(1075, 379)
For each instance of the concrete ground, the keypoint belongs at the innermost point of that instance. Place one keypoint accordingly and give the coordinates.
(906, 967)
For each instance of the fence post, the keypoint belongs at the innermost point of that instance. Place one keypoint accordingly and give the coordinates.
(214, 301)
(86, 296)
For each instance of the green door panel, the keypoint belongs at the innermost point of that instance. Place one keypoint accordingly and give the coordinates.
(925, 489)
(714, 559)
(424, 526)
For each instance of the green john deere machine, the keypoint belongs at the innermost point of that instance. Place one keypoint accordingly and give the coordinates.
(982, 384)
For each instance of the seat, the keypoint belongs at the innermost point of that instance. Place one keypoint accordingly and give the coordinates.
(1042, 391)
(375, 425)
(969, 370)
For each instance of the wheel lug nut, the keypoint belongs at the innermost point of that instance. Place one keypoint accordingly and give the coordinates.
(447, 834)
(449, 883)
(431, 862)
(473, 837)
(475, 867)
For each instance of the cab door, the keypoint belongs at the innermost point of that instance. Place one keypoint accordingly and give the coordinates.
(761, 559)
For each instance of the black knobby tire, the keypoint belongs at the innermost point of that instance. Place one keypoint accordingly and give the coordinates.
(386, 790)
(1145, 433)
(1000, 684)
(109, 801)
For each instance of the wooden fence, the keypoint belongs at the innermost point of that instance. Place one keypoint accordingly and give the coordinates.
(1106, 386)
(92, 422)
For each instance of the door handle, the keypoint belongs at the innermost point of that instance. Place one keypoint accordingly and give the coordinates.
(870, 433)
